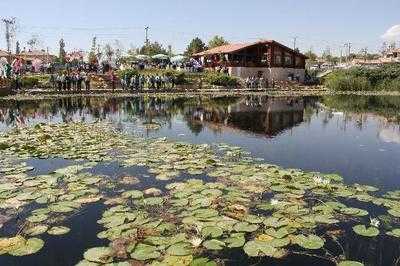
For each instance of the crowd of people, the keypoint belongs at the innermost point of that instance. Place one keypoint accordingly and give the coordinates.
(70, 81)
(255, 82)
(139, 82)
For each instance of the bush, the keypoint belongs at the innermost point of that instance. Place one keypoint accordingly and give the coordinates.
(218, 79)
(347, 83)
(127, 73)
(179, 77)
(30, 82)
(385, 78)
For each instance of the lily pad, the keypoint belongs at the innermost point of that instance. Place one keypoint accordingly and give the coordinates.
(31, 246)
(394, 233)
(211, 231)
(36, 230)
(362, 230)
(245, 227)
(255, 248)
(309, 242)
(99, 254)
(145, 252)
(180, 249)
(350, 263)
(214, 244)
(58, 230)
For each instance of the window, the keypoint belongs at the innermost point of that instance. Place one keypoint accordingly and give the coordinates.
(288, 59)
(299, 61)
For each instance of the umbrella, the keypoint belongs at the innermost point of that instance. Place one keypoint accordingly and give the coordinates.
(142, 57)
(178, 59)
(160, 57)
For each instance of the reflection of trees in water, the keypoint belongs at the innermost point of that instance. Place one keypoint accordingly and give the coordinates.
(386, 106)
(252, 113)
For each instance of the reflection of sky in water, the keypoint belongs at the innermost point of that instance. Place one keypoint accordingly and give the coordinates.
(295, 134)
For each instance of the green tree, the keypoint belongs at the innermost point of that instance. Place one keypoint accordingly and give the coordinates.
(195, 46)
(152, 49)
(217, 41)
(62, 53)
(92, 58)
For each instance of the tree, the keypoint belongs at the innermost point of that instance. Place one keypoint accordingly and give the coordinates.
(152, 49)
(195, 46)
(92, 58)
(33, 42)
(217, 41)
(17, 48)
(109, 52)
(62, 53)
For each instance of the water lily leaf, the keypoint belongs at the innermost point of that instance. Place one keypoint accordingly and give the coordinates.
(58, 230)
(394, 212)
(205, 213)
(153, 201)
(36, 230)
(280, 233)
(174, 261)
(255, 248)
(202, 262)
(134, 194)
(362, 230)
(99, 254)
(86, 263)
(180, 249)
(354, 211)
(145, 252)
(309, 242)
(394, 233)
(253, 219)
(245, 227)
(8, 244)
(37, 218)
(60, 208)
(31, 246)
(235, 240)
(214, 244)
(211, 231)
(350, 263)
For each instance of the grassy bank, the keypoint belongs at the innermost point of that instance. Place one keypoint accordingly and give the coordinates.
(385, 78)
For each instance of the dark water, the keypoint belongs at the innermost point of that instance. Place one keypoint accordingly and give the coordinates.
(357, 137)
(359, 140)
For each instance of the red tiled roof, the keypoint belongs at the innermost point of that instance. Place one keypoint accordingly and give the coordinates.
(224, 49)
(3, 53)
(34, 53)
(230, 48)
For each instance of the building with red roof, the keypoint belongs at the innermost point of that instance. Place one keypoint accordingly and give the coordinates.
(268, 59)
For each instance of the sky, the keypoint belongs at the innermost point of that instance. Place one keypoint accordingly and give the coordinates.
(317, 24)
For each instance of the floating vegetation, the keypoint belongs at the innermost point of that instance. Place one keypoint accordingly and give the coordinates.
(255, 208)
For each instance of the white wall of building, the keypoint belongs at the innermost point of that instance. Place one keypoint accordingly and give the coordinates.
(275, 73)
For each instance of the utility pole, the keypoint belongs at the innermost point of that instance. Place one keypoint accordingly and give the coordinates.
(10, 27)
(146, 29)
(348, 46)
(294, 42)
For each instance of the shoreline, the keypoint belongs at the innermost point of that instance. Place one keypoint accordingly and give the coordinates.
(118, 93)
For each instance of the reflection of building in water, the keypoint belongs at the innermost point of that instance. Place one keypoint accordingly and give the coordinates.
(261, 115)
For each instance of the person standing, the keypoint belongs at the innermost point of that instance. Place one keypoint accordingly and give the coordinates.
(18, 82)
(87, 82)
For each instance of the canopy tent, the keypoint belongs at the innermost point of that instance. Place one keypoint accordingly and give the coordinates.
(178, 59)
(142, 57)
(160, 57)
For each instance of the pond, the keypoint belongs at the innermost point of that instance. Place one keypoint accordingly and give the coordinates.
(354, 138)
